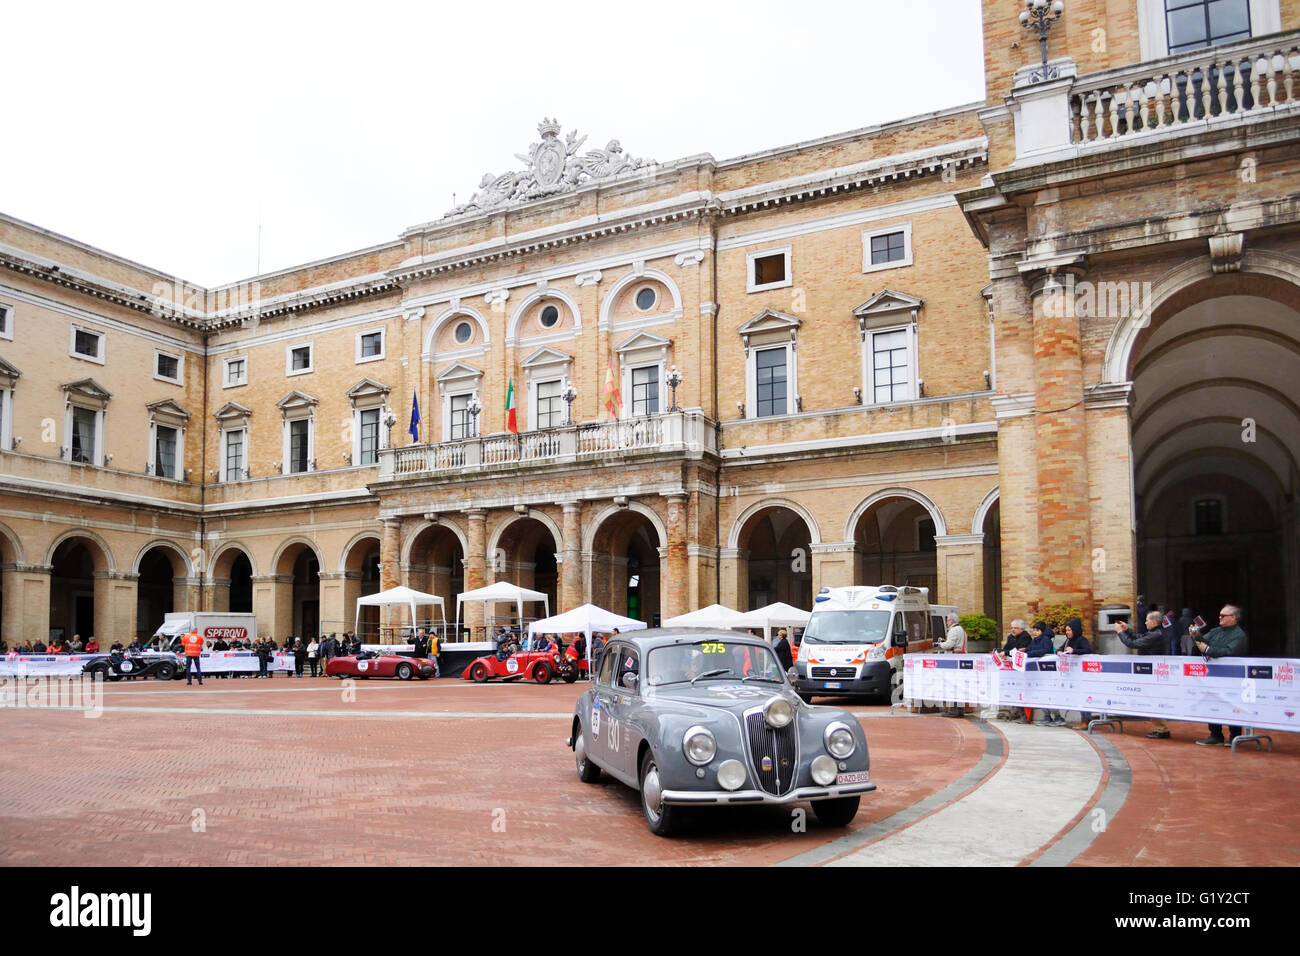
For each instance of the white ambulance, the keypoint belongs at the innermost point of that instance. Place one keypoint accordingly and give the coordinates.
(857, 636)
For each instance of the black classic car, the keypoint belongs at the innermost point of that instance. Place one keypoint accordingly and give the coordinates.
(707, 718)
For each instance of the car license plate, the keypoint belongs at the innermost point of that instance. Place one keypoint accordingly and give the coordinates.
(857, 776)
(831, 685)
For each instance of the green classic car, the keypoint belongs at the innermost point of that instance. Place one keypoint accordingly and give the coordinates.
(707, 718)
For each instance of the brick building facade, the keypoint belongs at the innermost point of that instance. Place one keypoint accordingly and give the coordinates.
(882, 336)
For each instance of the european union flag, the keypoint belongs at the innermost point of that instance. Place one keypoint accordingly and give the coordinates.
(415, 417)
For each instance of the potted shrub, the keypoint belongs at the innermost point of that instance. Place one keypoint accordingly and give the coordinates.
(981, 633)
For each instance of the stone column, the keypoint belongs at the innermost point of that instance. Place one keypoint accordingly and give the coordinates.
(673, 587)
(1061, 457)
(1112, 560)
(339, 591)
(959, 560)
(26, 603)
(702, 561)
(571, 558)
(115, 603)
(836, 564)
(390, 553)
(475, 564)
(186, 595)
(735, 579)
(273, 605)
(218, 598)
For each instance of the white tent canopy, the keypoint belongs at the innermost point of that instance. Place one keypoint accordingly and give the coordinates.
(776, 615)
(715, 615)
(502, 593)
(585, 620)
(400, 597)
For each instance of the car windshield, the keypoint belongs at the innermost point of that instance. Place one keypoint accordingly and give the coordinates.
(847, 627)
(711, 660)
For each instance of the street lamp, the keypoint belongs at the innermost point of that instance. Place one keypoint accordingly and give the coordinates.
(389, 420)
(674, 378)
(568, 393)
(1040, 15)
(472, 408)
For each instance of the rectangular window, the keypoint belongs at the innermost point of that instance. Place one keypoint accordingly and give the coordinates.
(770, 369)
(83, 435)
(890, 367)
(1209, 516)
(167, 366)
(88, 345)
(549, 405)
(645, 390)
(236, 372)
(234, 455)
(299, 360)
(6, 322)
(459, 417)
(1193, 24)
(298, 446)
(369, 436)
(370, 345)
(164, 452)
(890, 247)
(769, 269)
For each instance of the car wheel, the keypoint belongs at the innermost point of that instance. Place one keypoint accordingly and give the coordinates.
(588, 772)
(404, 672)
(836, 813)
(542, 673)
(165, 671)
(571, 675)
(479, 672)
(97, 671)
(662, 820)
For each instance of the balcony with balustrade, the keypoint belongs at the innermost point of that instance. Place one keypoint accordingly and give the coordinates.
(686, 434)
(1164, 103)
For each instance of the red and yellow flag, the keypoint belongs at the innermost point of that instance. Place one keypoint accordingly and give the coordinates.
(613, 396)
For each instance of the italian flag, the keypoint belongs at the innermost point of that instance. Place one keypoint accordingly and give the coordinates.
(512, 418)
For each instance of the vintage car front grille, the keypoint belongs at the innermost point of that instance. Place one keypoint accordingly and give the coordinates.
(781, 747)
(843, 671)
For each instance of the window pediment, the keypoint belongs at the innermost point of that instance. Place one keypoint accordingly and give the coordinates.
(87, 392)
(232, 413)
(643, 340)
(770, 327)
(887, 307)
(168, 412)
(458, 375)
(546, 356)
(9, 374)
(296, 405)
(367, 392)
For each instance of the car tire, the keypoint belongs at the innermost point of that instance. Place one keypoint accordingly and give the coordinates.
(404, 672)
(836, 813)
(100, 670)
(165, 671)
(542, 673)
(588, 772)
(571, 675)
(663, 821)
(479, 672)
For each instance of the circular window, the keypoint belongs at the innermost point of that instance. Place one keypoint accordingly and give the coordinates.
(464, 332)
(550, 315)
(645, 299)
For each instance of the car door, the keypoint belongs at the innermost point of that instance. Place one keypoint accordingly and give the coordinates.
(602, 703)
(624, 699)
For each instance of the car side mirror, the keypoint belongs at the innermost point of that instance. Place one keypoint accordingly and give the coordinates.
(629, 680)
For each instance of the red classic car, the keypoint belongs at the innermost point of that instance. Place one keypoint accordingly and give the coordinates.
(540, 666)
(380, 665)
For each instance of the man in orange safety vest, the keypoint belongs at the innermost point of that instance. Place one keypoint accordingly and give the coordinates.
(193, 648)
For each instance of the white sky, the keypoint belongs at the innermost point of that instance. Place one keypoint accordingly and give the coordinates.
(166, 133)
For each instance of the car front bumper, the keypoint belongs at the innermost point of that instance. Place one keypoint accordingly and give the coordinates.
(874, 678)
(693, 798)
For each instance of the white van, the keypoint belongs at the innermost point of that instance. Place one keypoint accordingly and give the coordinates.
(856, 638)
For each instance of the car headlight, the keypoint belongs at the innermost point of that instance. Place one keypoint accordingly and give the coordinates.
(839, 740)
(699, 746)
(778, 713)
(876, 653)
(823, 770)
(731, 775)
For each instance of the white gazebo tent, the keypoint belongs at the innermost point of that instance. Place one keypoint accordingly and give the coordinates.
(501, 593)
(776, 615)
(715, 615)
(584, 620)
(400, 597)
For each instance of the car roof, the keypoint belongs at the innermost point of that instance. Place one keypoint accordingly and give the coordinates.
(664, 636)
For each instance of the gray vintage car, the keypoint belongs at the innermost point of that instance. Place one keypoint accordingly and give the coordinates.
(708, 718)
